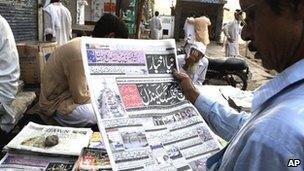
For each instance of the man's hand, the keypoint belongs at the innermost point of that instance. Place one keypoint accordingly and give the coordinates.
(49, 37)
(187, 86)
(189, 63)
(193, 58)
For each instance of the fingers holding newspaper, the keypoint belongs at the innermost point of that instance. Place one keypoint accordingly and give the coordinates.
(187, 86)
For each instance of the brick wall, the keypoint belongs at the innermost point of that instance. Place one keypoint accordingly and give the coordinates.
(22, 17)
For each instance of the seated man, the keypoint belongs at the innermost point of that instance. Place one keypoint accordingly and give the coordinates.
(194, 63)
(64, 89)
(9, 70)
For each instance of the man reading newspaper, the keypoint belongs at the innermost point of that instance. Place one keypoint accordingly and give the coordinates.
(195, 64)
(272, 137)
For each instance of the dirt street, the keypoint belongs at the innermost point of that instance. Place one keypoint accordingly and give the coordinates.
(259, 74)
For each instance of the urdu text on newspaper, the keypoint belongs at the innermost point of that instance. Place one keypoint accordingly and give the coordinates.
(146, 122)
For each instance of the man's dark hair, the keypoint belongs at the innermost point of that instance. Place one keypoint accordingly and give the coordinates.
(276, 5)
(52, 1)
(192, 14)
(109, 23)
(156, 13)
(238, 11)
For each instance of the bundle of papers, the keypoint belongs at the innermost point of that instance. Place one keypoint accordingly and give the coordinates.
(34, 138)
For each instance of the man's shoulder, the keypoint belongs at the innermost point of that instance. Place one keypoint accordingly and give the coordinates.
(73, 43)
(70, 50)
(229, 23)
(206, 18)
(2, 19)
(280, 118)
(203, 62)
(66, 9)
(3, 24)
(283, 125)
(285, 111)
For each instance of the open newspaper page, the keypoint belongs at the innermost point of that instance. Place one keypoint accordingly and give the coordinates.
(144, 118)
(51, 139)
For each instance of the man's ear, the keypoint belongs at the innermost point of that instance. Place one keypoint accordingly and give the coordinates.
(111, 35)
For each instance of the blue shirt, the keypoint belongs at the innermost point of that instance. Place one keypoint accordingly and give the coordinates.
(268, 138)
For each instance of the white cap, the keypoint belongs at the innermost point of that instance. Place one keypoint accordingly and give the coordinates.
(198, 46)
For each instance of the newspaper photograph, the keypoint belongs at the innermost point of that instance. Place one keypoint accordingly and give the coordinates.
(96, 141)
(144, 118)
(93, 159)
(51, 139)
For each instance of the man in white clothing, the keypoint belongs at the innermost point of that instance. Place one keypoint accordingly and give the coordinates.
(9, 69)
(81, 11)
(155, 26)
(189, 30)
(232, 31)
(194, 64)
(201, 25)
(57, 22)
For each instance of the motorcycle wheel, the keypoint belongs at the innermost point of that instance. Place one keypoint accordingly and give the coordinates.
(237, 80)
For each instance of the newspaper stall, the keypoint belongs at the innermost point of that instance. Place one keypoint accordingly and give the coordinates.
(44, 147)
(144, 118)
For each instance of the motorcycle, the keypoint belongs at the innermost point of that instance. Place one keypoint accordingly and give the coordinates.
(224, 71)
(231, 71)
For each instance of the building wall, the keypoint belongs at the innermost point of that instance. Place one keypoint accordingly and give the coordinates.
(88, 11)
(163, 7)
(72, 6)
(22, 17)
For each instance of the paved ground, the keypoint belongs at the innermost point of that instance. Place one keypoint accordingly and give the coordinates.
(259, 74)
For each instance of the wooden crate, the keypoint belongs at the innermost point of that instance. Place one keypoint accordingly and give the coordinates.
(32, 58)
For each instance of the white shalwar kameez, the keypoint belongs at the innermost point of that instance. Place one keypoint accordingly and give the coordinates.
(156, 27)
(81, 12)
(58, 22)
(232, 30)
(189, 31)
(9, 71)
(198, 74)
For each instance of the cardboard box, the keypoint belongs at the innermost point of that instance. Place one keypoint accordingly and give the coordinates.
(32, 58)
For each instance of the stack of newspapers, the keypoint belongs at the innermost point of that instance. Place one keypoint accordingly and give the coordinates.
(40, 147)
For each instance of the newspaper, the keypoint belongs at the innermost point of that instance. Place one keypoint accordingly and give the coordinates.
(70, 141)
(35, 162)
(144, 118)
(241, 98)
